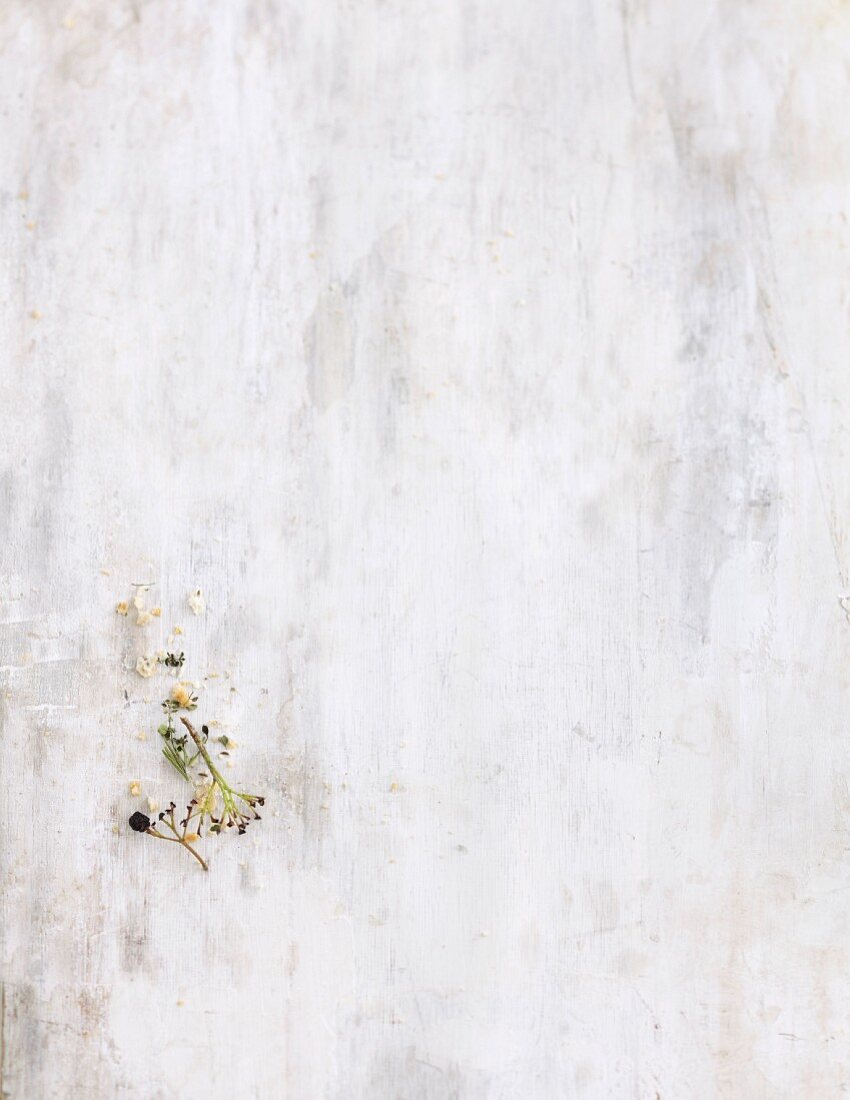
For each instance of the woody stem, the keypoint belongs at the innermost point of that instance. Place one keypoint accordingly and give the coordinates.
(181, 841)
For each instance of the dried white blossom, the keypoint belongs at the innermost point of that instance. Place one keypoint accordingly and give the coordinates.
(146, 666)
(182, 693)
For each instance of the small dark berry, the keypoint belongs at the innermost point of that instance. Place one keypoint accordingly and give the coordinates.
(205, 729)
(140, 822)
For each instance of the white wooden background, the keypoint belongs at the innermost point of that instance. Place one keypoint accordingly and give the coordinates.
(486, 364)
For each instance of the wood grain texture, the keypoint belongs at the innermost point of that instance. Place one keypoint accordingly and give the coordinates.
(485, 363)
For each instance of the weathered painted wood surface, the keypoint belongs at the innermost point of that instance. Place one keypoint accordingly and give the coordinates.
(486, 365)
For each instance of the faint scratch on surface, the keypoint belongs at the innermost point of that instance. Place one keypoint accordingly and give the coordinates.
(2, 1034)
(348, 921)
(49, 706)
(782, 363)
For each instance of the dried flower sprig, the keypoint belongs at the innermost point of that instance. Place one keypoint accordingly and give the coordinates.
(231, 813)
(175, 748)
(141, 823)
(172, 660)
(216, 805)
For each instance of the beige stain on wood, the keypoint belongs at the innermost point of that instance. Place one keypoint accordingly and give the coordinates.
(485, 365)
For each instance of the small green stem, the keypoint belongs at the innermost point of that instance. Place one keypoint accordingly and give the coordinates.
(216, 774)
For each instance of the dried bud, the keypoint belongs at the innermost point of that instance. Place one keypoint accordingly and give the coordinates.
(140, 822)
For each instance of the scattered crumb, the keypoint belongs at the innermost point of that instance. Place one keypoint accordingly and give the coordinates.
(509, 233)
(122, 608)
(180, 1004)
(177, 630)
(115, 829)
(143, 617)
(30, 226)
(156, 612)
(23, 195)
(153, 805)
(35, 314)
(202, 789)
(135, 788)
(197, 602)
(393, 786)
(106, 572)
(141, 736)
(146, 666)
